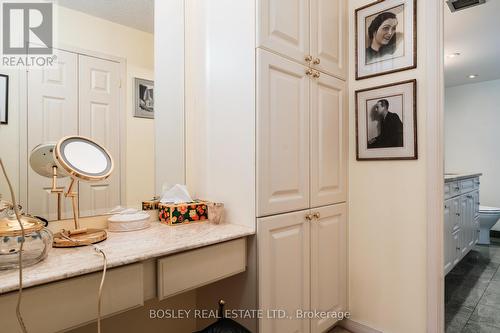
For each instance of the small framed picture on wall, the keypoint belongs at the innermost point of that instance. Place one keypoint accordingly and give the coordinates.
(144, 99)
(4, 99)
(386, 122)
(386, 37)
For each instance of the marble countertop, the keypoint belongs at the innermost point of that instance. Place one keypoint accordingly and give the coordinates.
(450, 177)
(122, 248)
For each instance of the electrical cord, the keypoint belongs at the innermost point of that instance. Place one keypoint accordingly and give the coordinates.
(63, 234)
(16, 210)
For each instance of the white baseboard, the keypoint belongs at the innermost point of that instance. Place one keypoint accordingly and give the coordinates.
(356, 327)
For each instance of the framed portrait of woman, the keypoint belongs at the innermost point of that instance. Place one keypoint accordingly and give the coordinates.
(386, 122)
(386, 37)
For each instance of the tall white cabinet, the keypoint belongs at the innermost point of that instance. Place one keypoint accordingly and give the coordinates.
(267, 114)
(301, 161)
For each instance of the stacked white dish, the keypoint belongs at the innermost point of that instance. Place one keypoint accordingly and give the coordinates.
(129, 220)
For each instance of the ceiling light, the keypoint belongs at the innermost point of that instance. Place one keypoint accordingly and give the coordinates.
(473, 76)
(453, 55)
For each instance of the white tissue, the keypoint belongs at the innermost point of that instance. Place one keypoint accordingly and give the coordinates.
(176, 194)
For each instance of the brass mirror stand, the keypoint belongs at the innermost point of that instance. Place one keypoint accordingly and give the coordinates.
(79, 236)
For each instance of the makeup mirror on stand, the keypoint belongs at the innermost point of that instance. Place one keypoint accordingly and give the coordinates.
(82, 159)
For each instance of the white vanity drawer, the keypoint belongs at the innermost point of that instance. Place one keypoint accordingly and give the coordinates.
(476, 183)
(59, 306)
(451, 189)
(447, 190)
(467, 185)
(192, 269)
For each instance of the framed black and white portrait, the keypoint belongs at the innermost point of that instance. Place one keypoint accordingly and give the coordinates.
(386, 37)
(386, 122)
(4, 99)
(144, 99)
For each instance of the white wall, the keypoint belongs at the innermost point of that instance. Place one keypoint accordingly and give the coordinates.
(387, 215)
(472, 136)
(169, 105)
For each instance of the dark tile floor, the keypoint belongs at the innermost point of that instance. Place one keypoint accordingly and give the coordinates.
(472, 292)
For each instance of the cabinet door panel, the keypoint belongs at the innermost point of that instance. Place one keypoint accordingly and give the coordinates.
(329, 140)
(475, 194)
(328, 264)
(463, 226)
(284, 266)
(282, 135)
(456, 247)
(329, 36)
(470, 221)
(283, 27)
(449, 245)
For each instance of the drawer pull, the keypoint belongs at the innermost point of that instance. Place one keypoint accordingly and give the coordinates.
(457, 188)
(458, 248)
(317, 215)
(469, 196)
(309, 217)
(458, 214)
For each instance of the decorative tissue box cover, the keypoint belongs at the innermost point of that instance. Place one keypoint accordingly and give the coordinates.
(182, 213)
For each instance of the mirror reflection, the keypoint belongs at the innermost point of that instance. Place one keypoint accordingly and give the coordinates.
(102, 88)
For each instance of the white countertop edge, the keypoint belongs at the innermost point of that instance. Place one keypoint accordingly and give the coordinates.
(84, 260)
(460, 176)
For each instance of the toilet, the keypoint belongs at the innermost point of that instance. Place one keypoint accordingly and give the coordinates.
(488, 217)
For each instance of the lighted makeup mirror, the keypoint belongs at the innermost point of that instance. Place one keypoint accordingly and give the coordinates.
(82, 159)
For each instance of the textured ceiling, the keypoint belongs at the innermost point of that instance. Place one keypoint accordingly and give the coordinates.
(137, 14)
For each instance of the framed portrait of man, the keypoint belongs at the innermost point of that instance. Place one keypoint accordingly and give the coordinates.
(386, 37)
(386, 122)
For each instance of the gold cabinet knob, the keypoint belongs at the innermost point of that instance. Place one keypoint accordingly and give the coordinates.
(317, 61)
(317, 215)
(309, 217)
(309, 71)
(308, 58)
(316, 74)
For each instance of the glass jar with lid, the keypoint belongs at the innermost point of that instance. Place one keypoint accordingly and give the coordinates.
(38, 239)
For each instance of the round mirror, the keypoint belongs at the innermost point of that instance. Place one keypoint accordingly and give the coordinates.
(83, 158)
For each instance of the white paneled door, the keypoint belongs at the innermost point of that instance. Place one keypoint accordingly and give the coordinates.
(329, 36)
(99, 120)
(80, 96)
(328, 264)
(283, 27)
(282, 135)
(52, 114)
(328, 141)
(284, 259)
